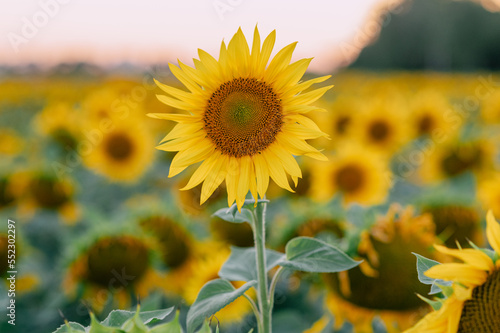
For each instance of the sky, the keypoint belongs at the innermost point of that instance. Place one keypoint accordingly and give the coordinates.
(111, 32)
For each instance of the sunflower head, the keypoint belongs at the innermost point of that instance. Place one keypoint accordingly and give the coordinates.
(49, 192)
(174, 241)
(456, 223)
(387, 276)
(472, 302)
(112, 256)
(123, 152)
(357, 174)
(245, 118)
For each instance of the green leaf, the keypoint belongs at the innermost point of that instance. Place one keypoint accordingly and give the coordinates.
(135, 324)
(70, 327)
(118, 317)
(96, 327)
(214, 295)
(312, 255)
(423, 264)
(171, 327)
(234, 216)
(242, 266)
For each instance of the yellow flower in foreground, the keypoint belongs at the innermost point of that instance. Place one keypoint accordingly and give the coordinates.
(244, 120)
(474, 305)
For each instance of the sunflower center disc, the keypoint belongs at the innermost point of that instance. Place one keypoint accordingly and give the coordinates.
(481, 314)
(243, 117)
(425, 124)
(349, 178)
(114, 256)
(119, 147)
(48, 193)
(379, 131)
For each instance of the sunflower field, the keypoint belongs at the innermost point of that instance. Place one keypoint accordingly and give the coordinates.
(365, 201)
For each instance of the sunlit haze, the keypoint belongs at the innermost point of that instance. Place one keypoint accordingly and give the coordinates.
(105, 32)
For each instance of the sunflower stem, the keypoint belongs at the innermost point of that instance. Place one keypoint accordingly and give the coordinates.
(260, 250)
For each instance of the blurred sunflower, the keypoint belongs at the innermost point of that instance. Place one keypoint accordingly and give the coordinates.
(236, 234)
(41, 190)
(101, 104)
(474, 305)
(340, 117)
(10, 143)
(112, 268)
(359, 174)
(456, 223)
(427, 115)
(490, 110)
(244, 121)
(124, 152)
(207, 269)
(61, 123)
(456, 157)
(489, 193)
(385, 283)
(381, 126)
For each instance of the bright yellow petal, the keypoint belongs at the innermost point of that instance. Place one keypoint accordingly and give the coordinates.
(309, 97)
(472, 257)
(279, 62)
(214, 179)
(267, 48)
(276, 171)
(262, 174)
(291, 75)
(493, 232)
(463, 273)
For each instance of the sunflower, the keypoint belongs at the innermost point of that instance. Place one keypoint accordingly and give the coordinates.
(455, 223)
(340, 117)
(244, 120)
(207, 269)
(456, 157)
(381, 125)
(360, 175)
(41, 190)
(124, 152)
(61, 123)
(385, 283)
(474, 305)
(427, 115)
(113, 266)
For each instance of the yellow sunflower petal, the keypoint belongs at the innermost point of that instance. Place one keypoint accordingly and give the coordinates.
(472, 257)
(466, 274)
(493, 232)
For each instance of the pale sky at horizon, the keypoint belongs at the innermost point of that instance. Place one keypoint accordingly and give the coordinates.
(160, 31)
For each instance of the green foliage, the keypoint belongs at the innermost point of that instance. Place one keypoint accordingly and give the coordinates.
(242, 265)
(423, 264)
(312, 255)
(119, 321)
(214, 295)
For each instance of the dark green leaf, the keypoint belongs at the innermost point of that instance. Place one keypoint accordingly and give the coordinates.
(214, 295)
(312, 255)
